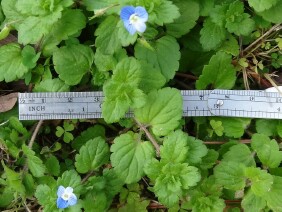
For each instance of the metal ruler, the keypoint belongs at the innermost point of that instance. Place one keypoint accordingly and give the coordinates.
(87, 105)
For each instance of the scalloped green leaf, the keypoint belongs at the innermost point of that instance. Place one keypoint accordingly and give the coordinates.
(107, 35)
(175, 147)
(51, 85)
(73, 62)
(219, 73)
(92, 155)
(129, 155)
(164, 55)
(267, 150)
(230, 174)
(11, 63)
(189, 13)
(35, 164)
(162, 111)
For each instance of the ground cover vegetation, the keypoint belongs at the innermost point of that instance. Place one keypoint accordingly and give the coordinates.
(140, 53)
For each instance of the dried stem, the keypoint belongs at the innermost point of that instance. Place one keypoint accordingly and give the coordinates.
(256, 42)
(149, 136)
(34, 134)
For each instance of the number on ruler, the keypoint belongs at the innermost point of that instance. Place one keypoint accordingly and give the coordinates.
(252, 98)
(70, 99)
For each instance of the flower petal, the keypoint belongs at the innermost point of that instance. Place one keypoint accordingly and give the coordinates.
(72, 200)
(62, 203)
(129, 27)
(69, 190)
(140, 26)
(126, 12)
(141, 13)
(60, 191)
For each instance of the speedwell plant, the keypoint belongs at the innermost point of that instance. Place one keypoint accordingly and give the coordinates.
(140, 53)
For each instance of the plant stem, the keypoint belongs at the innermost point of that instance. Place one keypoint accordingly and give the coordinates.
(149, 136)
(34, 134)
(256, 42)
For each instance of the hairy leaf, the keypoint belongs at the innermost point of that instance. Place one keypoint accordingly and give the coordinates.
(189, 13)
(11, 63)
(219, 73)
(261, 181)
(162, 111)
(273, 14)
(230, 174)
(253, 202)
(175, 147)
(51, 85)
(107, 35)
(34, 163)
(164, 55)
(129, 155)
(261, 5)
(92, 155)
(267, 150)
(72, 62)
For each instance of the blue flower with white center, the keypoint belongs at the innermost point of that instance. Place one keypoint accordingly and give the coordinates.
(66, 197)
(134, 18)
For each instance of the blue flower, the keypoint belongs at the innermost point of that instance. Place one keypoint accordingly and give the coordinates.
(66, 197)
(134, 18)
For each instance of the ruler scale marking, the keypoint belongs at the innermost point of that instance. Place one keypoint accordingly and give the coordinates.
(232, 103)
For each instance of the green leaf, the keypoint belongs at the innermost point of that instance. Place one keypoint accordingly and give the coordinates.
(92, 155)
(217, 127)
(34, 163)
(69, 25)
(59, 131)
(72, 62)
(162, 111)
(209, 203)
(11, 63)
(230, 174)
(212, 35)
(125, 38)
(197, 150)
(90, 133)
(171, 179)
(29, 56)
(6, 197)
(267, 150)
(237, 21)
(230, 46)
(46, 197)
(209, 159)
(29, 184)
(70, 178)
(134, 203)
(53, 166)
(121, 92)
(129, 155)
(253, 202)
(205, 7)
(51, 85)
(107, 35)
(33, 28)
(273, 14)
(189, 13)
(261, 5)
(151, 78)
(175, 147)
(234, 127)
(105, 62)
(219, 72)
(246, 156)
(164, 55)
(164, 12)
(96, 4)
(266, 126)
(14, 179)
(18, 125)
(261, 181)
(274, 196)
